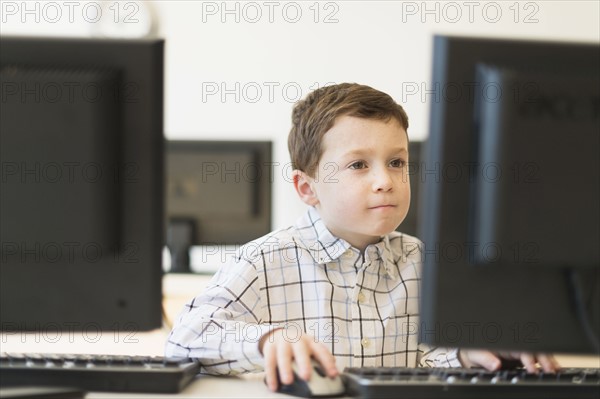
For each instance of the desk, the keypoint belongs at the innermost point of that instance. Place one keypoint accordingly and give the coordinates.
(178, 289)
(247, 386)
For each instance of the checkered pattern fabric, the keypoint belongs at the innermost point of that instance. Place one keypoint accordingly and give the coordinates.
(362, 306)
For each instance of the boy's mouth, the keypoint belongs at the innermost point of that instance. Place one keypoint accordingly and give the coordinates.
(384, 206)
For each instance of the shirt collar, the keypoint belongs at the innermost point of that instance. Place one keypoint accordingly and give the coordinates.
(325, 247)
(389, 256)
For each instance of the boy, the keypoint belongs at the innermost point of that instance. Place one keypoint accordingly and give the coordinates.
(341, 285)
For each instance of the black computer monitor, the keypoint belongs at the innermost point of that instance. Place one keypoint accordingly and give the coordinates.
(81, 186)
(218, 194)
(410, 223)
(510, 210)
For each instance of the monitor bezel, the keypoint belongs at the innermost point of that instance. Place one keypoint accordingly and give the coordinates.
(123, 293)
(500, 307)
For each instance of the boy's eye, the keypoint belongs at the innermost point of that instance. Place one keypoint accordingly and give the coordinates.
(397, 163)
(357, 165)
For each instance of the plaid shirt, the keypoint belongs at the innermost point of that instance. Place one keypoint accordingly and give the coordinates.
(362, 306)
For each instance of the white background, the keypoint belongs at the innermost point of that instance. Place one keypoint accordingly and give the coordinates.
(242, 47)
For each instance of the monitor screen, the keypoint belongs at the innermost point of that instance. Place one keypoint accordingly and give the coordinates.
(510, 216)
(410, 222)
(218, 193)
(81, 184)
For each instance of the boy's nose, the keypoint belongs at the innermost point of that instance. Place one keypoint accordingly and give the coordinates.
(382, 181)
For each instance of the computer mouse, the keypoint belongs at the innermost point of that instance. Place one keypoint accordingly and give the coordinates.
(318, 385)
(511, 364)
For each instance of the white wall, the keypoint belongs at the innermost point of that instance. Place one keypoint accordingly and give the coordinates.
(386, 44)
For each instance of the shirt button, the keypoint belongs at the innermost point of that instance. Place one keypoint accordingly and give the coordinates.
(361, 297)
(348, 254)
(365, 342)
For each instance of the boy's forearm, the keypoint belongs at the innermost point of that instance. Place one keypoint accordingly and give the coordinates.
(438, 357)
(222, 326)
(222, 346)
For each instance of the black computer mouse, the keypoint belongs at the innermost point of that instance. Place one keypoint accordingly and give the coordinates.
(318, 385)
(511, 364)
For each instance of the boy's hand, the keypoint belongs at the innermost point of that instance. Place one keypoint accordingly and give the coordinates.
(493, 361)
(279, 352)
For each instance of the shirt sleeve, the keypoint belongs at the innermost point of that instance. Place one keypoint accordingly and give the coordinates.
(437, 357)
(222, 326)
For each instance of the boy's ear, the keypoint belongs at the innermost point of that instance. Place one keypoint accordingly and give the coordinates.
(304, 188)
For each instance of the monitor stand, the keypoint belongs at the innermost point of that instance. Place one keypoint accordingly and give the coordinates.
(180, 237)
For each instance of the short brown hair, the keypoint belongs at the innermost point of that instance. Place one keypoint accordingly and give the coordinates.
(316, 114)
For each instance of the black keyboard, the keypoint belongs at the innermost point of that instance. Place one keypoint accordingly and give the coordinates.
(435, 383)
(97, 372)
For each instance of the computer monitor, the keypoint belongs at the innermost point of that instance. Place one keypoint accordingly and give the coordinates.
(218, 194)
(81, 186)
(510, 210)
(410, 222)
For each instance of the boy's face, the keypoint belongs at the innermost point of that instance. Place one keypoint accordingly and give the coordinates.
(361, 187)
